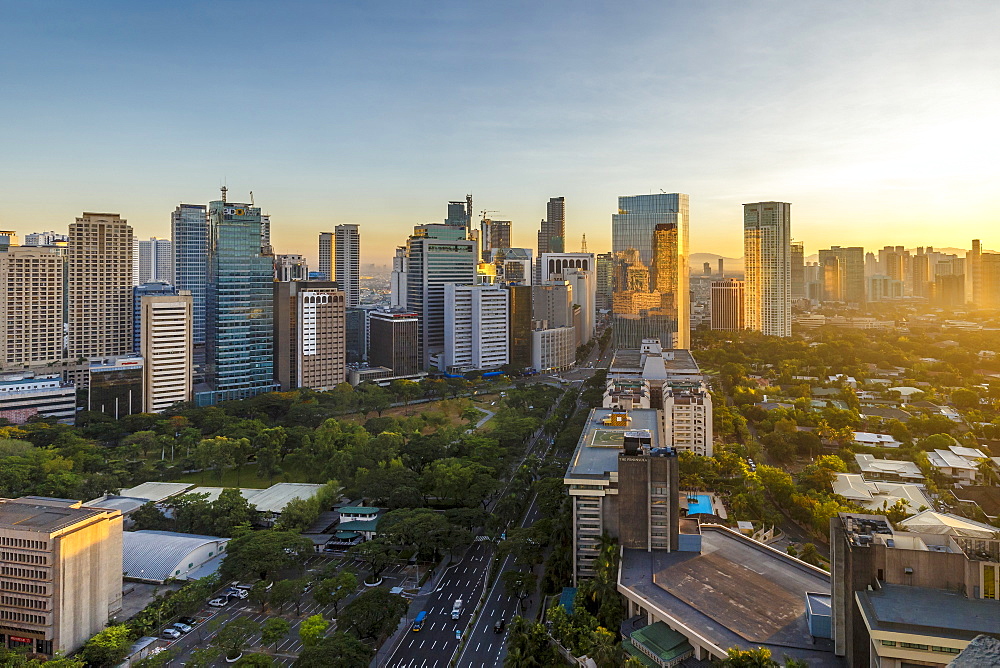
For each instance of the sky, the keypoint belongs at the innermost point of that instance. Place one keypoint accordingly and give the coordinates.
(877, 121)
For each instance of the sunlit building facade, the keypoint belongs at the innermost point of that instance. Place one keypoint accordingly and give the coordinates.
(768, 267)
(651, 287)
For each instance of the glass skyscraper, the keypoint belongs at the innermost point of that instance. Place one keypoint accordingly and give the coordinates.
(189, 233)
(239, 306)
(651, 288)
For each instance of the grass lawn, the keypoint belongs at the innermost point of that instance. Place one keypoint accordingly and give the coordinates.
(248, 478)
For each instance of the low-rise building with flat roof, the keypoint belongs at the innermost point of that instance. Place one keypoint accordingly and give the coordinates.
(877, 495)
(27, 394)
(60, 573)
(734, 592)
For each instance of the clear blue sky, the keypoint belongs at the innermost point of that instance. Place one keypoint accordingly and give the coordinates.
(878, 121)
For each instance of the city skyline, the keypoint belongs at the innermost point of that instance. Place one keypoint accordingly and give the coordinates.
(845, 129)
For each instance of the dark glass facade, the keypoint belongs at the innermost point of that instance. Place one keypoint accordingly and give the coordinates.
(189, 234)
(393, 342)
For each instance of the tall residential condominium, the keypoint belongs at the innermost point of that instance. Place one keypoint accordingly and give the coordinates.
(347, 262)
(153, 288)
(475, 328)
(767, 228)
(46, 239)
(239, 315)
(893, 261)
(326, 255)
(62, 573)
(984, 270)
(436, 255)
(394, 341)
(290, 267)
(850, 285)
(167, 350)
(727, 304)
(652, 296)
(189, 233)
(798, 271)
(31, 306)
(99, 283)
(309, 335)
(552, 230)
(495, 235)
(155, 260)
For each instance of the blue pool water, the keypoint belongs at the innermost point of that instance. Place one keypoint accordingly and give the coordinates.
(699, 503)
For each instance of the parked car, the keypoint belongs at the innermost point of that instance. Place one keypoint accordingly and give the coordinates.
(218, 602)
(236, 593)
(171, 633)
(182, 627)
(499, 626)
(190, 621)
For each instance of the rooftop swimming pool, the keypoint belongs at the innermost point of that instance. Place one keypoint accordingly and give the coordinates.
(699, 503)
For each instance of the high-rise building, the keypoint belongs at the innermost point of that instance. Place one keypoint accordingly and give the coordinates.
(397, 279)
(850, 274)
(8, 239)
(652, 297)
(728, 304)
(519, 325)
(605, 280)
(513, 265)
(578, 270)
(553, 349)
(167, 350)
(347, 262)
(309, 335)
(984, 269)
(394, 341)
(495, 234)
(239, 327)
(798, 251)
(31, 306)
(62, 573)
(475, 328)
(460, 214)
(189, 233)
(436, 255)
(552, 230)
(893, 260)
(115, 386)
(767, 258)
(833, 270)
(687, 417)
(882, 288)
(46, 239)
(153, 288)
(290, 267)
(326, 255)
(552, 304)
(265, 234)
(99, 282)
(920, 274)
(155, 260)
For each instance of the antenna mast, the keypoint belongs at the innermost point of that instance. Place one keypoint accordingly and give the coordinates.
(583, 244)
(224, 190)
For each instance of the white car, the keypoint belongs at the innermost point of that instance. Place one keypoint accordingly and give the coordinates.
(217, 603)
(182, 627)
(171, 633)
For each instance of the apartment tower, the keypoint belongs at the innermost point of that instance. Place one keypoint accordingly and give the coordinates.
(31, 306)
(767, 259)
(167, 350)
(326, 255)
(155, 260)
(728, 304)
(347, 262)
(99, 282)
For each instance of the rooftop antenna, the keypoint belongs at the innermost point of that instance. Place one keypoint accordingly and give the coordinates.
(251, 198)
(583, 244)
(224, 190)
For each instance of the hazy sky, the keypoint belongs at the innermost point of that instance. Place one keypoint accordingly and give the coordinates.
(879, 122)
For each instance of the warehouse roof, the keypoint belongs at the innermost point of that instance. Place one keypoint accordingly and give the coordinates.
(154, 555)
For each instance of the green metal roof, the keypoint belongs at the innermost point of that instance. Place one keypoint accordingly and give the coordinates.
(358, 510)
(662, 641)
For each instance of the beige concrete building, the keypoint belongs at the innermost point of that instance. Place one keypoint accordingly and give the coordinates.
(31, 306)
(553, 349)
(60, 572)
(767, 263)
(309, 335)
(167, 350)
(100, 286)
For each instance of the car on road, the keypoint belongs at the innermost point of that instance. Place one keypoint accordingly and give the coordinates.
(456, 609)
(499, 626)
(458, 634)
(171, 633)
(218, 602)
(182, 627)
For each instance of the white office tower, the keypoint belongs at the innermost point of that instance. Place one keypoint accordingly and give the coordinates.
(767, 251)
(475, 328)
(347, 262)
(580, 270)
(397, 280)
(155, 259)
(167, 346)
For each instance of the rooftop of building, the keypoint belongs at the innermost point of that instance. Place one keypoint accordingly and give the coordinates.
(156, 491)
(596, 454)
(735, 592)
(654, 363)
(154, 555)
(926, 611)
(946, 524)
(870, 464)
(872, 495)
(276, 497)
(44, 515)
